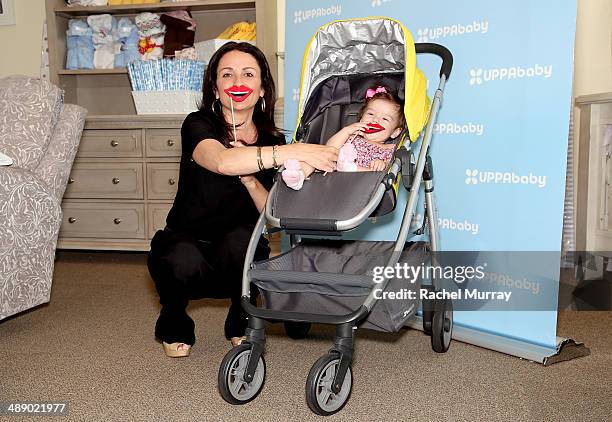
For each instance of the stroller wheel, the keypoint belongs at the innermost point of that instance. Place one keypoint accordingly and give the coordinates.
(319, 395)
(442, 326)
(297, 330)
(231, 383)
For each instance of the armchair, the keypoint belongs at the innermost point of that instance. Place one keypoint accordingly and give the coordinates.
(41, 135)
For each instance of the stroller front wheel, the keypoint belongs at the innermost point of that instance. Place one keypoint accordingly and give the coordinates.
(232, 386)
(442, 326)
(319, 395)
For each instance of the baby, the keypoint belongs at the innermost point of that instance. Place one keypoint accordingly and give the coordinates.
(362, 144)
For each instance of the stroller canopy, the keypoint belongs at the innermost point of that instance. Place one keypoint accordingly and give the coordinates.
(373, 46)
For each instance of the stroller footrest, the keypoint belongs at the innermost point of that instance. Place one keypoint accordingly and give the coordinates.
(331, 281)
(325, 225)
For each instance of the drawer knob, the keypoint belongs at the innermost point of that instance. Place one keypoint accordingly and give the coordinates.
(114, 143)
(71, 220)
(115, 180)
(70, 180)
(171, 182)
(170, 142)
(117, 221)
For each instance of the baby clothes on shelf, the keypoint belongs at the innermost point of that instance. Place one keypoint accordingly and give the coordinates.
(180, 33)
(104, 28)
(151, 31)
(80, 48)
(127, 34)
(87, 2)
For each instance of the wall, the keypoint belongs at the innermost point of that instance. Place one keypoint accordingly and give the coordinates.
(593, 51)
(20, 44)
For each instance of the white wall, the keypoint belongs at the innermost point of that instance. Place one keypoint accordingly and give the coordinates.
(593, 49)
(20, 44)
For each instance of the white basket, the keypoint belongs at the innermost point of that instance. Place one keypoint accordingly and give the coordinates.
(166, 102)
(205, 49)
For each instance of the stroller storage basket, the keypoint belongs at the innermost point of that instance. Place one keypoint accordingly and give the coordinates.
(328, 277)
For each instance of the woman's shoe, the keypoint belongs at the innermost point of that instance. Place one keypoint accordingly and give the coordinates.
(237, 341)
(176, 350)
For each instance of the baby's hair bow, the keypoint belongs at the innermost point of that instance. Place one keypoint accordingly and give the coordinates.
(371, 92)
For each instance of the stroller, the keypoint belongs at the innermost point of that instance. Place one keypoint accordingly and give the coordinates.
(332, 281)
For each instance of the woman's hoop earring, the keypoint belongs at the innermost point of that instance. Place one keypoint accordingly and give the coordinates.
(263, 105)
(213, 105)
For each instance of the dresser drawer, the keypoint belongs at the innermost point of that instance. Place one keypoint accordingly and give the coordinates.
(157, 214)
(162, 180)
(163, 142)
(106, 180)
(110, 143)
(103, 220)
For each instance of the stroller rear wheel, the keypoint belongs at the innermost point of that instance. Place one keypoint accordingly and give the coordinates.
(232, 386)
(442, 325)
(297, 330)
(319, 395)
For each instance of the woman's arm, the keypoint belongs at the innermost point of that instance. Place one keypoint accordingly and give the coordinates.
(258, 192)
(212, 155)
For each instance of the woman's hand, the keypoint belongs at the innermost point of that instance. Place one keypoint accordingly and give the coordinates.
(249, 181)
(321, 157)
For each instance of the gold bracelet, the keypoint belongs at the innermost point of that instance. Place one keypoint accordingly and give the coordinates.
(259, 160)
(275, 163)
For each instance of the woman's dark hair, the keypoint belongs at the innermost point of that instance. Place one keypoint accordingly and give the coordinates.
(389, 96)
(267, 133)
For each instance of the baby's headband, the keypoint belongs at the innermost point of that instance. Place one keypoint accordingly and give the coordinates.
(373, 91)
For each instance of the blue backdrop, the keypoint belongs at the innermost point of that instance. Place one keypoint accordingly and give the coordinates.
(500, 142)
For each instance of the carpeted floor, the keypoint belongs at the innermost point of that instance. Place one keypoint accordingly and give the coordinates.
(93, 347)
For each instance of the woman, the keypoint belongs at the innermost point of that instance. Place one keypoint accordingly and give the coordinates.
(230, 148)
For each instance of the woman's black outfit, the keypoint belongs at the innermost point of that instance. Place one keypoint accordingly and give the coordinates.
(201, 252)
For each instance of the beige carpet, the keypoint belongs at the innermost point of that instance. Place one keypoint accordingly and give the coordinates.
(93, 346)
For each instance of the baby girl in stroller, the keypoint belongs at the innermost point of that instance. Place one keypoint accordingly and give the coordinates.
(363, 145)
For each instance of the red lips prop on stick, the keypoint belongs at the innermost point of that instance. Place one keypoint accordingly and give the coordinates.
(373, 128)
(238, 93)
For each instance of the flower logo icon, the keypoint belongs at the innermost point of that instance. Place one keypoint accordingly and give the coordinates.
(471, 177)
(297, 17)
(423, 35)
(475, 76)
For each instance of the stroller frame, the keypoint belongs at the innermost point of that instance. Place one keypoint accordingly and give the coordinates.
(343, 344)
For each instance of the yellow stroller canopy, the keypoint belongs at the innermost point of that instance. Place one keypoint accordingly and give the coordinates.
(373, 46)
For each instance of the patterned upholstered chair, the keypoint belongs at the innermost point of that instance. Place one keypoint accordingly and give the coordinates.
(41, 135)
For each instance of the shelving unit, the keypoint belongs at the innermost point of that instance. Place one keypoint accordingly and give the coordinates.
(107, 91)
(126, 171)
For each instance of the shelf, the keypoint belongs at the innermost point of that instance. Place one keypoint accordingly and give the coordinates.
(117, 71)
(125, 9)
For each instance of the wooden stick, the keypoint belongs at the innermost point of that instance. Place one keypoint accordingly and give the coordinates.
(233, 120)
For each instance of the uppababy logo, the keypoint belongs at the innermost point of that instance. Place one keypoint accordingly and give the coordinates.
(430, 34)
(300, 16)
(475, 176)
(456, 128)
(480, 76)
(378, 3)
(460, 226)
(448, 224)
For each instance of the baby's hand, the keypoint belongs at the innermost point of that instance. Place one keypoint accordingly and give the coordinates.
(378, 165)
(357, 127)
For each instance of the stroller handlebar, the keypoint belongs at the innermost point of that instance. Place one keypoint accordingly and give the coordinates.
(441, 51)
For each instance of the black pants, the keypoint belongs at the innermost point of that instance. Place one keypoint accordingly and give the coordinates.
(185, 268)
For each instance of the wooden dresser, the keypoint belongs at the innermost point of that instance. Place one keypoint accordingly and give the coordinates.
(123, 182)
